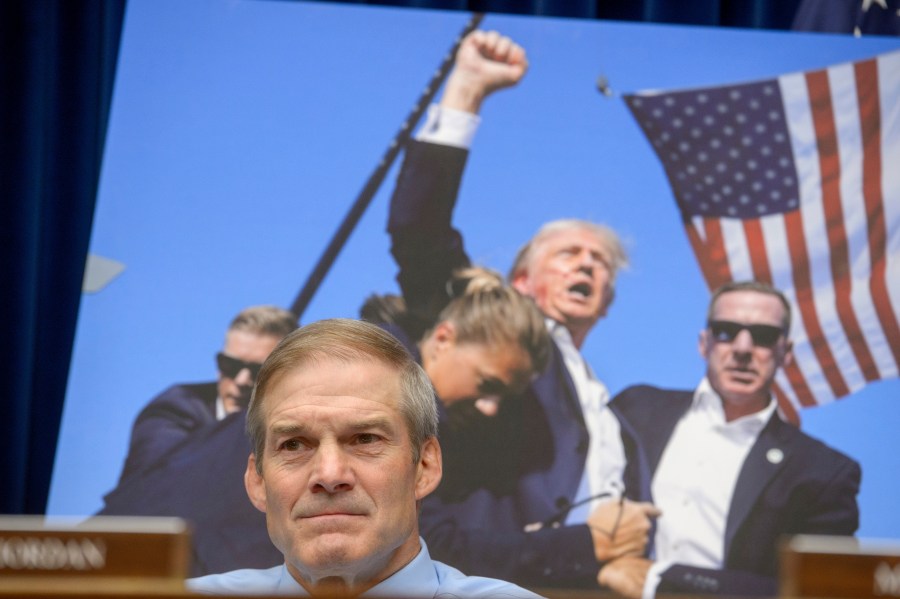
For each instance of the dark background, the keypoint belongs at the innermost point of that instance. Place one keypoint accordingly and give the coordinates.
(57, 66)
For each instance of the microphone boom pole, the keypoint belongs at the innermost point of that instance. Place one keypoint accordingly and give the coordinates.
(377, 177)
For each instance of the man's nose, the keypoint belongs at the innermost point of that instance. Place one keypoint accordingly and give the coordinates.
(244, 378)
(331, 470)
(743, 342)
(585, 262)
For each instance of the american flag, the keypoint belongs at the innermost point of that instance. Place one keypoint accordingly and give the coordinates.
(795, 181)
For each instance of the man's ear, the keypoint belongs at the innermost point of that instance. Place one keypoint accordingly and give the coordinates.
(788, 357)
(430, 468)
(521, 283)
(703, 344)
(256, 487)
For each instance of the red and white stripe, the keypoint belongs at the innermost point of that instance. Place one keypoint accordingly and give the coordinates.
(837, 258)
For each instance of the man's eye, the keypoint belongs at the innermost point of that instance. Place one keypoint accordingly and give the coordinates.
(366, 438)
(291, 445)
(601, 260)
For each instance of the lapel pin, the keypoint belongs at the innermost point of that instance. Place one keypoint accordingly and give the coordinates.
(775, 455)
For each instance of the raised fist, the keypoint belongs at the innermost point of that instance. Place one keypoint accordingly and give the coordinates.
(485, 62)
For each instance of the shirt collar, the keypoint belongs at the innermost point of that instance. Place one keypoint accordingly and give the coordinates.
(591, 392)
(416, 579)
(286, 582)
(709, 403)
(220, 409)
(570, 353)
(559, 333)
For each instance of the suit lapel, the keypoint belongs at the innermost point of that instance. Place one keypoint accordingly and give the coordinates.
(637, 472)
(566, 381)
(209, 394)
(556, 377)
(767, 457)
(665, 415)
(557, 411)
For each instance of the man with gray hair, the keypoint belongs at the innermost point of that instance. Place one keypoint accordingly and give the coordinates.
(732, 476)
(343, 424)
(190, 438)
(182, 410)
(554, 502)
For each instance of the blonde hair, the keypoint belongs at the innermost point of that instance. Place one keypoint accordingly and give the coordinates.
(485, 310)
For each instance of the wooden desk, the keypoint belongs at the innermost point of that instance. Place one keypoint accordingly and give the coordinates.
(839, 567)
(146, 555)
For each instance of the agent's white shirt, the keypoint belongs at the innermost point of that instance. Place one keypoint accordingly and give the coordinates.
(694, 483)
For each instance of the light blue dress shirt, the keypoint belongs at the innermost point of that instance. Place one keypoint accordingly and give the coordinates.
(422, 577)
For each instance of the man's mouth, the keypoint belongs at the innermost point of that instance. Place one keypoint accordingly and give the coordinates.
(742, 374)
(331, 520)
(328, 511)
(582, 290)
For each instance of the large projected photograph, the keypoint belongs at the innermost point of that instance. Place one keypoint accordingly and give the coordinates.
(241, 136)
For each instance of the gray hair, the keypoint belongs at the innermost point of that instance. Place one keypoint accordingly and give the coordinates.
(264, 320)
(618, 257)
(758, 287)
(347, 341)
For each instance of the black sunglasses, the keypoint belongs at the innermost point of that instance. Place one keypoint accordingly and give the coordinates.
(763, 335)
(231, 367)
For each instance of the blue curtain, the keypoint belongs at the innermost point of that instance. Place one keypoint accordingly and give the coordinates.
(849, 16)
(57, 61)
(57, 64)
(768, 14)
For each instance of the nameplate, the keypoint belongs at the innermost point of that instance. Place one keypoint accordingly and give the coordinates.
(836, 567)
(52, 553)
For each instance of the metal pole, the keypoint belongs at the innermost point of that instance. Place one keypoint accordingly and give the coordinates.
(375, 179)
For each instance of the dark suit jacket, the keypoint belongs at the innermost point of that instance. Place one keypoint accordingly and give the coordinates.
(202, 481)
(812, 490)
(183, 462)
(541, 440)
(165, 422)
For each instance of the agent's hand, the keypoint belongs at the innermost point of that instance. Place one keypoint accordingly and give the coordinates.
(620, 528)
(625, 576)
(485, 62)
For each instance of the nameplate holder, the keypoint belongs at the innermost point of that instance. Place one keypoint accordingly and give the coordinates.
(121, 553)
(839, 567)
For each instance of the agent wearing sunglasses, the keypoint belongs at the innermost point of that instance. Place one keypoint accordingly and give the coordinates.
(183, 410)
(730, 476)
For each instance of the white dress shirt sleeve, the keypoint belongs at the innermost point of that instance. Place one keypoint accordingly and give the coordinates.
(654, 576)
(449, 127)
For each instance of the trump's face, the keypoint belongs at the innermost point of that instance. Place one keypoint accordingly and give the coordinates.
(569, 277)
(338, 483)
